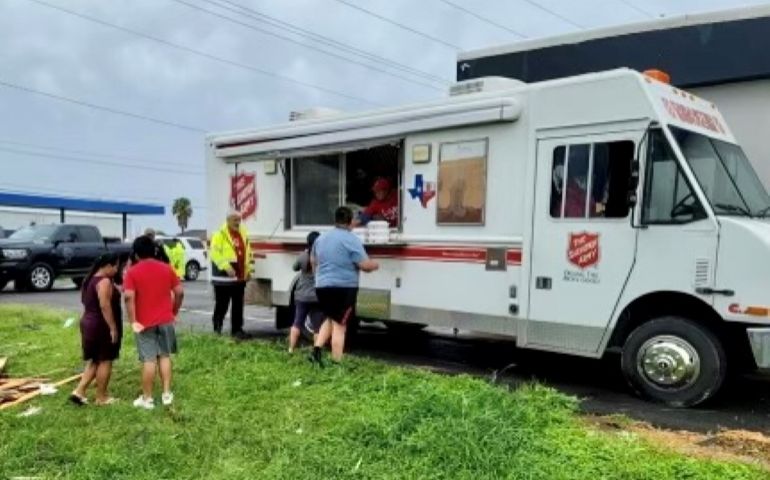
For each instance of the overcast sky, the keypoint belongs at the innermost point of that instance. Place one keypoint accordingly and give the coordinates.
(43, 140)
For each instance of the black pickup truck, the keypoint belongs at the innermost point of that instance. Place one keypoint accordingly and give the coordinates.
(34, 257)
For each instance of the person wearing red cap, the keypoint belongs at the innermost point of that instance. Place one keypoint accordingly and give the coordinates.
(384, 205)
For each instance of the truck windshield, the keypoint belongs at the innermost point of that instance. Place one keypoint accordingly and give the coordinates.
(725, 175)
(40, 233)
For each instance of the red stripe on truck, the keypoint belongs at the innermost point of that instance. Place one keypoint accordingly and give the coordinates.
(432, 253)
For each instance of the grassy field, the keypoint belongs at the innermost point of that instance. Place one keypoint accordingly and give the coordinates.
(249, 410)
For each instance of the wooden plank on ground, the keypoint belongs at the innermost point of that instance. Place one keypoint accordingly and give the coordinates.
(14, 383)
(34, 394)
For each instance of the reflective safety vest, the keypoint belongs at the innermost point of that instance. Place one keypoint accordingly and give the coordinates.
(176, 258)
(223, 255)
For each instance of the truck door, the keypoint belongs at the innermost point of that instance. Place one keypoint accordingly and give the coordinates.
(583, 244)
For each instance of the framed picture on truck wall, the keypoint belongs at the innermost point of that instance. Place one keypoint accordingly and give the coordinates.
(462, 182)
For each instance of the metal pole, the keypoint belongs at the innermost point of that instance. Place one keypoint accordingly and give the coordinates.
(61, 215)
(125, 226)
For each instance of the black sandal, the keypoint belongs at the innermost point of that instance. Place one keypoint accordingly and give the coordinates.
(78, 400)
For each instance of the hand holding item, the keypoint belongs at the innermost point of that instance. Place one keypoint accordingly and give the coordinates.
(137, 327)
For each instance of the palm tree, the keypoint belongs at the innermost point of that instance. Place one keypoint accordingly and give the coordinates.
(182, 210)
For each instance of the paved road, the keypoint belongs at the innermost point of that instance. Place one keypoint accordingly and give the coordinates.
(745, 403)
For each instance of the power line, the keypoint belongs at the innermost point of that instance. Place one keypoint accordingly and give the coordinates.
(335, 43)
(296, 42)
(637, 8)
(138, 161)
(103, 108)
(97, 162)
(553, 13)
(327, 41)
(483, 19)
(203, 54)
(399, 25)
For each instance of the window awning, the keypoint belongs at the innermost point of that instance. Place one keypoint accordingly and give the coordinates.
(317, 150)
(329, 134)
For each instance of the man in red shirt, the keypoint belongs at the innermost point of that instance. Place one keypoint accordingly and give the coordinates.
(153, 296)
(384, 205)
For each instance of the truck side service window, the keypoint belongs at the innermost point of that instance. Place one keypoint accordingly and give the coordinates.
(316, 190)
(668, 197)
(592, 181)
(321, 184)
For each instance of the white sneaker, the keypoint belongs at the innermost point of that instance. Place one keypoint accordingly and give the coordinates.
(167, 398)
(145, 403)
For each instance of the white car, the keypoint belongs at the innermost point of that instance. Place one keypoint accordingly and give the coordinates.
(196, 255)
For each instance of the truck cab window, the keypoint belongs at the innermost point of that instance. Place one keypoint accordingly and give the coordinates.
(668, 197)
(89, 235)
(593, 181)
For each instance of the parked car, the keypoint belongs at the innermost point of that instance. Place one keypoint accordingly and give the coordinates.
(195, 255)
(34, 257)
(2, 232)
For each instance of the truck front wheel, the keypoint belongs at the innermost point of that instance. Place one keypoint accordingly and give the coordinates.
(40, 277)
(675, 361)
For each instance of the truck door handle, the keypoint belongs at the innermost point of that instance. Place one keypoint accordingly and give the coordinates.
(711, 291)
(543, 283)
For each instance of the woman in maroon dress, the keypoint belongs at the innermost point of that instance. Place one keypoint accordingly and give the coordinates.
(100, 329)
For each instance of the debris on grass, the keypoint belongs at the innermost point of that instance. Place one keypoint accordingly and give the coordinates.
(14, 391)
(69, 322)
(31, 411)
(296, 383)
(725, 445)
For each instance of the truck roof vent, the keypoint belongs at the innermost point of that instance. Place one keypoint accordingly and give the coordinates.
(484, 84)
(310, 113)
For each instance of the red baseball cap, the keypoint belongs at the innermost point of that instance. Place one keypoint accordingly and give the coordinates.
(381, 184)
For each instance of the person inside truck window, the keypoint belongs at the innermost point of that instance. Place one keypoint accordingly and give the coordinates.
(384, 205)
(577, 182)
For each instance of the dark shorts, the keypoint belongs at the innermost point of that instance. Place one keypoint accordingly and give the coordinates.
(303, 310)
(338, 303)
(155, 342)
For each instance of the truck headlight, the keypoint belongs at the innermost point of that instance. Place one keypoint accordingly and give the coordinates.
(15, 253)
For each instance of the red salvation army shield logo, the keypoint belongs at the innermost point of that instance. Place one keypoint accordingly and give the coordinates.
(583, 251)
(243, 194)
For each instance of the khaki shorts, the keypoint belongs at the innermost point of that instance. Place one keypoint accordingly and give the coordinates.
(155, 342)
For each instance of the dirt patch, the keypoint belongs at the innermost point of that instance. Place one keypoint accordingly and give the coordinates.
(730, 445)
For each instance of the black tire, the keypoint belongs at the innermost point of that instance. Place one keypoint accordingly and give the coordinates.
(404, 327)
(674, 360)
(40, 278)
(192, 271)
(3, 284)
(78, 281)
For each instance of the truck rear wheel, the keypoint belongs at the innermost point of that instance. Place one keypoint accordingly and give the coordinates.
(40, 277)
(675, 361)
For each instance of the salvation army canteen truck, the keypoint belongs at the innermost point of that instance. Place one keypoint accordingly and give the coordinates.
(607, 212)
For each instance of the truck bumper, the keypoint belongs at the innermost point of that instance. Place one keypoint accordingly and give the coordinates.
(759, 338)
(13, 270)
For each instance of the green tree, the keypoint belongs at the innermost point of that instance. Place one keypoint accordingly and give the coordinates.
(182, 210)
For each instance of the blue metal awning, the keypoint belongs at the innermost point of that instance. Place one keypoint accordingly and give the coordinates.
(78, 204)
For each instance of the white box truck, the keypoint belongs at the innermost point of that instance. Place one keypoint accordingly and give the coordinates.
(601, 212)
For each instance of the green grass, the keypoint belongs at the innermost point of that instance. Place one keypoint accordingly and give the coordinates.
(239, 415)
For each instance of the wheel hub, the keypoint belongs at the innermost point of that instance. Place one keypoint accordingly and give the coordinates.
(669, 362)
(40, 277)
